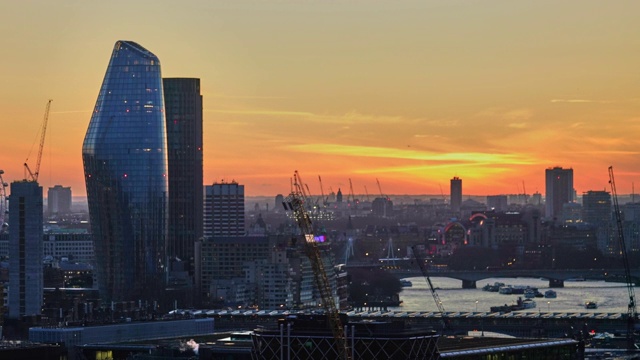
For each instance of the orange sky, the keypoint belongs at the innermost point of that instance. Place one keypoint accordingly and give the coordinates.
(409, 92)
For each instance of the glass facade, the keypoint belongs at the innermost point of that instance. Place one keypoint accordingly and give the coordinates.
(125, 167)
(183, 104)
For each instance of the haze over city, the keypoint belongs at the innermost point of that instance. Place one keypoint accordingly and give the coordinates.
(411, 93)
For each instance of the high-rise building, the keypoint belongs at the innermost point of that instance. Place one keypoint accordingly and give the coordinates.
(224, 210)
(456, 194)
(596, 212)
(183, 111)
(125, 167)
(25, 249)
(596, 207)
(59, 200)
(559, 190)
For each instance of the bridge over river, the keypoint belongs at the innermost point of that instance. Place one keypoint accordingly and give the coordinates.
(556, 277)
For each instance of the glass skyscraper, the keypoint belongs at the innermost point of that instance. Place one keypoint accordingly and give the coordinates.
(125, 167)
(183, 103)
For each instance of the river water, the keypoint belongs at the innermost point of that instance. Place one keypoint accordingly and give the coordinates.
(610, 297)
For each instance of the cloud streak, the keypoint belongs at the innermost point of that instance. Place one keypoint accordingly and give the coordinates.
(391, 153)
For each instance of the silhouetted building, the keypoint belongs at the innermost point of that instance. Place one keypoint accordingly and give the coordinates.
(456, 194)
(125, 167)
(497, 202)
(183, 111)
(559, 190)
(224, 210)
(59, 200)
(25, 249)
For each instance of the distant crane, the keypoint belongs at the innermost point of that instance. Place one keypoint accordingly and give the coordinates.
(632, 313)
(325, 200)
(366, 192)
(296, 203)
(4, 209)
(353, 197)
(33, 175)
(425, 273)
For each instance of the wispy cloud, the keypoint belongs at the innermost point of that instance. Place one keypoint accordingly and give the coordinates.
(519, 115)
(521, 125)
(585, 101)
(72, 112)
(410, 154)
(261, 112)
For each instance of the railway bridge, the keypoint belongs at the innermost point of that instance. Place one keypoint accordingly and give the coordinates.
(469, 278)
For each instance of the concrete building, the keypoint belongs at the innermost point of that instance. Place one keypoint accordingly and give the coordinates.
(58, 200)
(224, 209)
(25, 249)
(596, 212)
(558, 191)
(456, 194)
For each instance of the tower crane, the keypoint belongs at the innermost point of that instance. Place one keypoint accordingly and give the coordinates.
(425, 273)
(380, 189)
(33, 175)
(295, 202)
(632, 313)
(353, 197)
(325, 200)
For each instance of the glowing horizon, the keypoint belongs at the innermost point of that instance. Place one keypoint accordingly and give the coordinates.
(411, 93)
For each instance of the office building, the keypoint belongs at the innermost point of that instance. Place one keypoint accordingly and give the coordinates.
(497, 203)
(59, 200)
(25, 249)
(559, 191)
(183, 111)
(456, 194)
(125, 167)
(224, 209)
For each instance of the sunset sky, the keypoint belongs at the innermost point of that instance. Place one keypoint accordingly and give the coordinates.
(411, 93)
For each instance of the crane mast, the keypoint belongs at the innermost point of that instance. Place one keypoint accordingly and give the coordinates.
(33, 175)
(425, 273)
(296, 203)
(632, 313)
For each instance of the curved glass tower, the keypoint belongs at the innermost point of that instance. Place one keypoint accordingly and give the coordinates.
(125, 168)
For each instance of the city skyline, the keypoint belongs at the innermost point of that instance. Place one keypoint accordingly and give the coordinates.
(411, 93)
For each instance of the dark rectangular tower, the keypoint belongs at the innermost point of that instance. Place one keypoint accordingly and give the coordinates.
(559, 190)
(183, 111)
(456, 194)
(25, 249)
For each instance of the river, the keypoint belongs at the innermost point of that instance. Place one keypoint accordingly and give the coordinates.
(610, 297)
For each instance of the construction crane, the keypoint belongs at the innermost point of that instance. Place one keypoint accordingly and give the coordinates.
(434, 293)
(351, 194)
(366, 192)
(425, 273)
(295, 202)
(325, 200)
(33, 175)
(632, 313)
(380, 189)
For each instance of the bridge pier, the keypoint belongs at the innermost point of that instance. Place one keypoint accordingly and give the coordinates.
(554, 283)
(468, 284)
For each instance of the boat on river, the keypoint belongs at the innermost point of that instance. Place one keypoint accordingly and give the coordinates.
(550, 294)
(519, 305)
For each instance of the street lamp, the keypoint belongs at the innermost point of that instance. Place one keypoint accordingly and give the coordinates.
(476, 305)
(548, 306)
